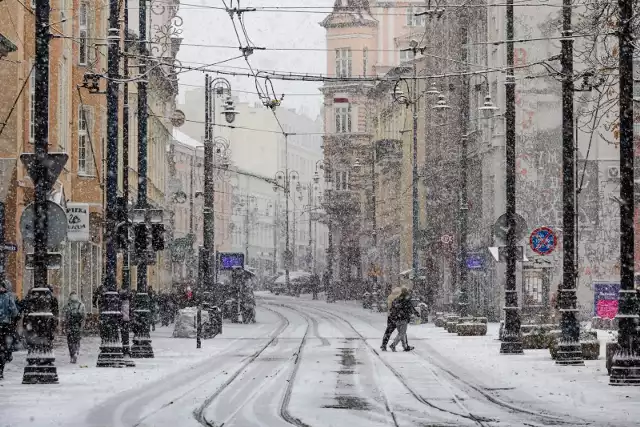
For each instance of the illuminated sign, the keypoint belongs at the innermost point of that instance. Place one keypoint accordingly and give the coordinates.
(230, 260)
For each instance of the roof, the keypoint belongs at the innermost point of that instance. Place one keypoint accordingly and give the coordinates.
(185, 139)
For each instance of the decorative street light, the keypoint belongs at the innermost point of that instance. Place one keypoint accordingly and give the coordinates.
(213, 87)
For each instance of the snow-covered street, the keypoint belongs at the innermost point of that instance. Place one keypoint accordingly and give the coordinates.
(309, 363)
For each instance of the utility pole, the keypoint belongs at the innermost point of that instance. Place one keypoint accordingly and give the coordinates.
(569, 348)
(511, 343)
(126, 253)
(276, 224)
(626, 362)
(209, 188)
(40, 367)
(246, 232)
(415, 211)
(463, 300)
(110, 315)
(142, 339)
(310, 250)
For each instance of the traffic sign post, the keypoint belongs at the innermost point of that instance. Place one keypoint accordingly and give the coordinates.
(543, 240)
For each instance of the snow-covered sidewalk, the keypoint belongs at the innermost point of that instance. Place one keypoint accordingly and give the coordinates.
(84, 386)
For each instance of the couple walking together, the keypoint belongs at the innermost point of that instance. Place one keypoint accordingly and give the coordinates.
(400, 311)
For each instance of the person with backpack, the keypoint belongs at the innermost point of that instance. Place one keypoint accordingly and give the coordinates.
(74, 314)
(401, 311)
(8, 312)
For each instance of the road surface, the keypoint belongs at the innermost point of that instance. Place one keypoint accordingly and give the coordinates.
(312, 364)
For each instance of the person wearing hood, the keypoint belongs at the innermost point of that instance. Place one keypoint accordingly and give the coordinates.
(8, 312)
(74, 315)
(401, 311)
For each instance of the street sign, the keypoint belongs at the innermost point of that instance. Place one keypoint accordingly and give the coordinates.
(543, 240)
(501, 227)
(53, 165)
(54, 261)
(56, 219)
(230, 260)
(446, 239)
(10, 247)
(475, 262)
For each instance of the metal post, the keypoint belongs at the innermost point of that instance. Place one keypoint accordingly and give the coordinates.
(293, 218)
(626, 363)
(463, 300)
(374, 224)
(199, 327)
(309, 251)
(126, 255)
(141, 347)
(414, 175)
(40, 359)
(208, 231)
(330, 292)
(110, 316)
(275, 238)
(246, 233)
(569, 348)
(511, 343)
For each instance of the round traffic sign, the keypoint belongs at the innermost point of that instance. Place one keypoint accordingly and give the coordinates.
(543, 240)
(56, 224)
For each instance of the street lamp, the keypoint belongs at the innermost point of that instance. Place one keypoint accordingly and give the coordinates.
(213, 87)
(413, 101)
(283, 180)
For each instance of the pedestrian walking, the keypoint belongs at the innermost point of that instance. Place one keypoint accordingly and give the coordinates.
(74, 317)
(391, 323)
(8, 312)
(401, 311)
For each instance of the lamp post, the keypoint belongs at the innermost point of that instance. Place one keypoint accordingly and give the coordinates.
(374, 228)
(412, 101)
(283, 180)
(213, 88)
(316, 180)
(511, 343)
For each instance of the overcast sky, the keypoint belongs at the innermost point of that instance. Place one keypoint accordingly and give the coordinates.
(204, 25)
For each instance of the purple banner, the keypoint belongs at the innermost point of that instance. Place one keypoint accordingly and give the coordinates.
(605, 299)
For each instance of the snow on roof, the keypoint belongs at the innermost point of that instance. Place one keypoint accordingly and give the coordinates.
(185, 139)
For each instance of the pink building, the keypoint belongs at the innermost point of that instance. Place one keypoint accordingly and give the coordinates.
(363, 39)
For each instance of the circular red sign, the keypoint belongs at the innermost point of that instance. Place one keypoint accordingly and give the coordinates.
(543, 240)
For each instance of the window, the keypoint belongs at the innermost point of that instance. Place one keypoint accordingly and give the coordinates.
(343, 62)
(342, 180)
(32, 103)
(365, 61)
(83, 36)
(406, 55)
(63, 106)
(343, 119)
(412, 19)
(85, 151)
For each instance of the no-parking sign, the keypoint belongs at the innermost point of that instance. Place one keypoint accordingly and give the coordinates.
(543, 240)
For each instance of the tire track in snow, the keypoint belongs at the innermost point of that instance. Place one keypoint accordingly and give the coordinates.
(199, 414)
(468, 415)
(332, 319)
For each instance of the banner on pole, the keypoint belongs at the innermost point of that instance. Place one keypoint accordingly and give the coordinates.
(605, 299)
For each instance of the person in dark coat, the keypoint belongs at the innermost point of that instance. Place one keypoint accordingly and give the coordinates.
(8, 312)
(97, 296)
(401, 311)
(74, 317)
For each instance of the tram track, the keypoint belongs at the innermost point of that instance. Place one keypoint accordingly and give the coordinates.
(540, 417)
(199, 413)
